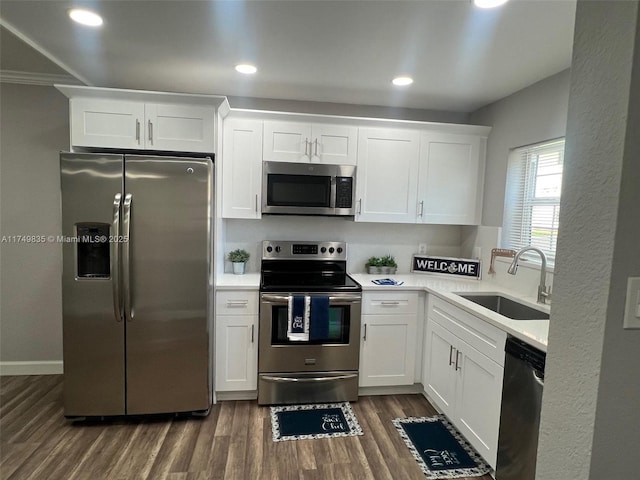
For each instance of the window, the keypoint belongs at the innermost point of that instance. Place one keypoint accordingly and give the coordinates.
(532, 198)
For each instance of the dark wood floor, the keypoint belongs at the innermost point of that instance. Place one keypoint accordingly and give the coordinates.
(233, 442)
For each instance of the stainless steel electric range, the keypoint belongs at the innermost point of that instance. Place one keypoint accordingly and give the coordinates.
(323, 366)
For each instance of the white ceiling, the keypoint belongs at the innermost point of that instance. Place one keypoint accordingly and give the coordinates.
(461, 57)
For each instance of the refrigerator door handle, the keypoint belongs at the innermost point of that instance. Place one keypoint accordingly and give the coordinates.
(126, 271)
(115, 258)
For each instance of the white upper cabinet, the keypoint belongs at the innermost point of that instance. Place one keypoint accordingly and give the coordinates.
(310, 143)
(185, 128)
(137, 125)
(106, 123)
(451, 178)
(387, 175)
(141, 120)
(241, 168)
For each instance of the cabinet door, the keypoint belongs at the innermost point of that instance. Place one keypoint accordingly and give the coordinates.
(334, 144)
(241, 168)
(478, 399)
(106, 123)
(451, 179)
(439, 367)
(236, 353)
(186, 128)
(287, 141)
(387, 175)
(387, 350)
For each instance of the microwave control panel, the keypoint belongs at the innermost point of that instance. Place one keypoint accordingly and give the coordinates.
(344, 192)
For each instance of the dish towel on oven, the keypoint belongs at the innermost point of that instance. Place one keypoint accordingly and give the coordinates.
(298, 321)
(319, 328)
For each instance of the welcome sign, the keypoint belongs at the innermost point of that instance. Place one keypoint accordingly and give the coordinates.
(463, 267)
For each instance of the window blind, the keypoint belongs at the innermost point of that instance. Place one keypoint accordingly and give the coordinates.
(532, 197)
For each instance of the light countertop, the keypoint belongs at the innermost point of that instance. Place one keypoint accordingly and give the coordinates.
(534, 332)
(230, 281)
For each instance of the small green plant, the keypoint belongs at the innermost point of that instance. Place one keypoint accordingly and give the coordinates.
(374, 262)
(239, 256)
(387, 261)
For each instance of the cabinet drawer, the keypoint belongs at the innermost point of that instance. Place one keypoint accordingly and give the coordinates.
(389, 302)
(237, 302)
(484, 337)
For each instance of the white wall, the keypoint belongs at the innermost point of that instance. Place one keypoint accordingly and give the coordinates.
(368, 111)
(34, 128)
(363, 239)
(590, 418)
(533, 114)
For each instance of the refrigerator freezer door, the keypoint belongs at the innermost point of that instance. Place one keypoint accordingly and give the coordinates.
(93, 331)
(166, 302)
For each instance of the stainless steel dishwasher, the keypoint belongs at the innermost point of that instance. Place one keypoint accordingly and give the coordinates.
(520, 414)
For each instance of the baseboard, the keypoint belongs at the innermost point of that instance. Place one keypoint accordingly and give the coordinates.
(394, 390)
(237, 395)
(31, 368)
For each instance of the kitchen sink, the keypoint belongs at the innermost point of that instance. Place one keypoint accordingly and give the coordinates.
(506, 307)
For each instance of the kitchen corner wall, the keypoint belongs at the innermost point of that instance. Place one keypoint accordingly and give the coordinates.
(363, 239)
(34, 128)
(533, 114)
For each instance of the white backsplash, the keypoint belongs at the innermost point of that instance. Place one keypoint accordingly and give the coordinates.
(524, 282)
(363, 239)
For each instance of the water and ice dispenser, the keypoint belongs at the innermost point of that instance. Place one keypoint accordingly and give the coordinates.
(93, 252)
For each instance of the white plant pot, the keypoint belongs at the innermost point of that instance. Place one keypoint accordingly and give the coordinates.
(238, 268)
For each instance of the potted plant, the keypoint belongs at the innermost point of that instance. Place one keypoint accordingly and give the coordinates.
(239, 259)
(373, 265)
(388, 264)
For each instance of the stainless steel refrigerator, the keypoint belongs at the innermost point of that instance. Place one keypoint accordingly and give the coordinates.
(137, 249)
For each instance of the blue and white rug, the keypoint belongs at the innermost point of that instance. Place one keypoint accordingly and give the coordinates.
(440, 450)
(321, 420)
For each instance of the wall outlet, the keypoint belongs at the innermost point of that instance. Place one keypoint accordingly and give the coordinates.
(422, 248)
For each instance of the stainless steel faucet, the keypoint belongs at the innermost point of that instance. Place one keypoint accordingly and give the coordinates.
(544, 292)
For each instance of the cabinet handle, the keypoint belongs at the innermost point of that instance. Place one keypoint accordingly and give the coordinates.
(457, 353)
(365, 333)
(421, 209)
(237, 303)
(306, 147)
(252, 329)
(450, 352)
(256, 203)
(390, 302)
(151, 132)
(138, 131)
(316, 142)
(359, 209)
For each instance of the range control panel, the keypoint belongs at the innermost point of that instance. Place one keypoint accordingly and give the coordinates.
(285, 250)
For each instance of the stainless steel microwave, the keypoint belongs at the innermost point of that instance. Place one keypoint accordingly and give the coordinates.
(308, 189)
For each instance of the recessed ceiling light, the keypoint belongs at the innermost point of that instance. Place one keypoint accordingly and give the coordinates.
(246, 68)
(489, 3)
(402, 81)
(85, 17)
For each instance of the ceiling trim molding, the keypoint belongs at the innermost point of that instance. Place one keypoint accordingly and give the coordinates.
(43, 51)
(30, 78)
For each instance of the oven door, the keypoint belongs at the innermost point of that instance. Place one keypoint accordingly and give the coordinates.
(340, 351)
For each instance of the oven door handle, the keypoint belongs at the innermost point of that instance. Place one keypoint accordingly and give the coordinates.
(307, 380)
(342, 300)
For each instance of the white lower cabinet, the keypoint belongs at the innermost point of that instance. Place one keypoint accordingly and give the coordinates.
(465, 383)
(388, 338)
(236, 341)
